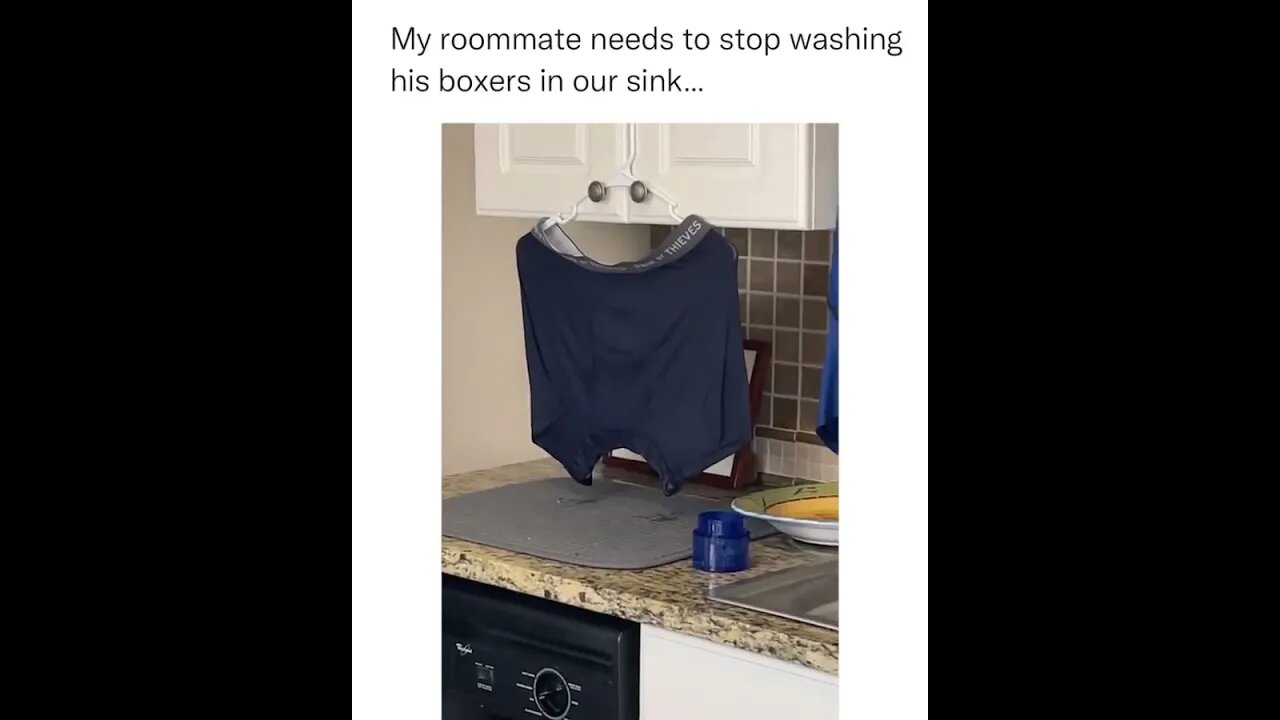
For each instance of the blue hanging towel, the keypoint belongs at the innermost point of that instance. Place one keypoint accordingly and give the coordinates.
(829, 396)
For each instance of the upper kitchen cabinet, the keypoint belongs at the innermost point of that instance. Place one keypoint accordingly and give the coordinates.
(734, 175)
(758, 176)
(538, 170)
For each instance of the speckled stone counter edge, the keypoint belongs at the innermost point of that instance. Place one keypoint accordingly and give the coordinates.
(672, 596)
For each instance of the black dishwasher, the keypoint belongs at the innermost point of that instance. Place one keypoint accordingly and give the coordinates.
(508, 655)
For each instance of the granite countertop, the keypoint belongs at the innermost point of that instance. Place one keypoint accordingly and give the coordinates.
(670, 596)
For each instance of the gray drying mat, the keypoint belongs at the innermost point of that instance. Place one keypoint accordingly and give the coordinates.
(608, 525)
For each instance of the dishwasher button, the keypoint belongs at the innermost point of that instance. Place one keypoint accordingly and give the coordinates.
(484, 677)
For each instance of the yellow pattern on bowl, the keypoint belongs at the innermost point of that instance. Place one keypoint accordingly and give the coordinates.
(825, 508)
(810, 513)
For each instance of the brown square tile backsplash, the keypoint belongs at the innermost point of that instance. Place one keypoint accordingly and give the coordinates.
(810, 382)
(755, 332)
(786, 311)
(782, 281)
(788, 274)
(808, 415)
(762, 243)
(817, 246)
(790, 245)
(786, 346)
(815, 279)
(815, 315)
(761, 277)
(813, 347)
(760, 309)
(786, 379)
(784, 413)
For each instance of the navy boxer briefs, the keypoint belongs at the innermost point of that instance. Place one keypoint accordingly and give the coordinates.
(644, 355)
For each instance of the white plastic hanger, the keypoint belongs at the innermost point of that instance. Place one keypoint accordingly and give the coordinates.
(624, 178)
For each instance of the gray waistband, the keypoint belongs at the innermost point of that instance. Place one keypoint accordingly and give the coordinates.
(682, 239)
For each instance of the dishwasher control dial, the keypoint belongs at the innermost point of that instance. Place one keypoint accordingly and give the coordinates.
(551, 693)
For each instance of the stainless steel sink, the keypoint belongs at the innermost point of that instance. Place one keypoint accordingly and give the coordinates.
(808, 593)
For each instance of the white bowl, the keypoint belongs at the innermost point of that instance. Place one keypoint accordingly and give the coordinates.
(766, 505)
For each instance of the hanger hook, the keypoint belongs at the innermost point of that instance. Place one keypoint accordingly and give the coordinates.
(561, 219)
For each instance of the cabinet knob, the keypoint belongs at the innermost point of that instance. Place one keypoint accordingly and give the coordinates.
(596, 191)
(639, 192)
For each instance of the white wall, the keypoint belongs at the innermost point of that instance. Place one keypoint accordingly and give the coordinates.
(486, 389)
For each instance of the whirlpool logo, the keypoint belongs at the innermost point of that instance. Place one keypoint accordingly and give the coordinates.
(463, 649)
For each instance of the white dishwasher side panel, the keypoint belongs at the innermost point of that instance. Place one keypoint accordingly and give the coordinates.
(687, 678)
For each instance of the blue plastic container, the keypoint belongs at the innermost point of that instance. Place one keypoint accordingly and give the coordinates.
(721, 542)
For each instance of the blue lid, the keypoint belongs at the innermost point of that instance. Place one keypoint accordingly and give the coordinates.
(721, 523)
(721, 542)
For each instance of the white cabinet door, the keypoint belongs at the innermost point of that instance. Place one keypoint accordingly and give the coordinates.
(533, 170)
(683, 677)
(740, 175)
